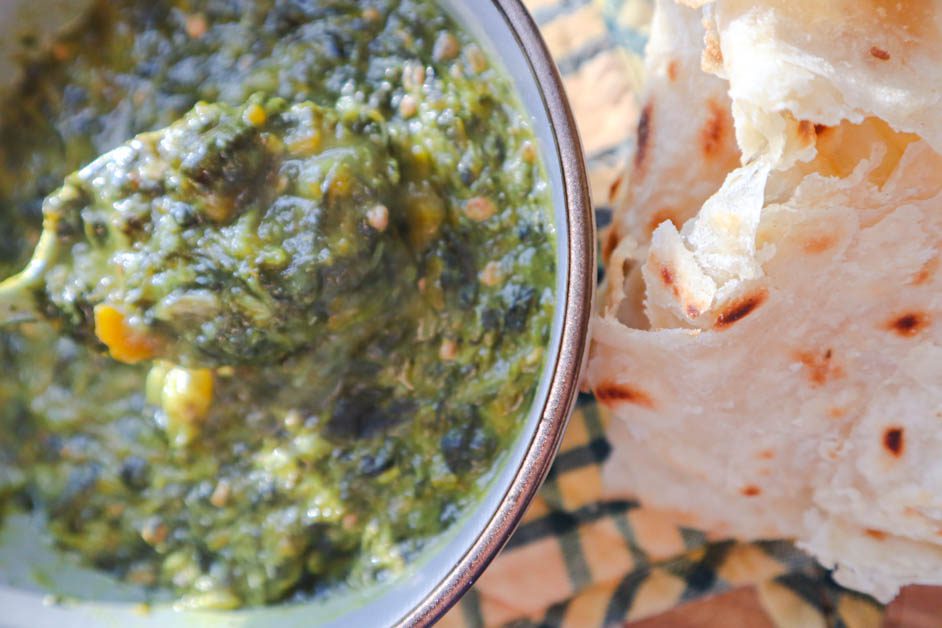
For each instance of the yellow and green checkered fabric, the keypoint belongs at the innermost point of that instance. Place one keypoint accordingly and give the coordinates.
(579, 559)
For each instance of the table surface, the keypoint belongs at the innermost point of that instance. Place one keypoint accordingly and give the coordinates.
(916, 607)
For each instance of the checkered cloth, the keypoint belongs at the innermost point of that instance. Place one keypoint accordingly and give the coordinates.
(579, 559)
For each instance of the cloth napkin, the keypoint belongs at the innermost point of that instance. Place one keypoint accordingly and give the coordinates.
(579, 558)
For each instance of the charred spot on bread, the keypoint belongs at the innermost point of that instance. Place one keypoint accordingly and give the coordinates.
(819, 366)
(668, 279)
(611, 392)
(908, 324)
(714, 131)
(667, 276)
(806, 132)
(614, 188)
(643, 135)
(665, 214)
(926, 273)
(894, 441)
(820, 243)
(672, 69)
(738, 310)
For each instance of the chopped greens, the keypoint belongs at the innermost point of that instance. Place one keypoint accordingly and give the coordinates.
(255, 469)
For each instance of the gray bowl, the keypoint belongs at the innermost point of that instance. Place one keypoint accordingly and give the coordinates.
(30, 570)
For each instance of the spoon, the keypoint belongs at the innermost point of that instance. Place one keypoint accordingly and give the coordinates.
(236, 235)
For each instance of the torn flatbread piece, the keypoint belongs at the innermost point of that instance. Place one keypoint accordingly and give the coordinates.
(789, 61)
(685, 144)
(781, 375)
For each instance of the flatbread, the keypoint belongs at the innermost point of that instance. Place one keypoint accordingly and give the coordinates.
(793, 60)
(685, 143)
(781, 373)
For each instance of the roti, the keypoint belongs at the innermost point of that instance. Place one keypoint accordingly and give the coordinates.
(773, 357)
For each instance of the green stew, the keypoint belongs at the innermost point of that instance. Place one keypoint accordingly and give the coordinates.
(299, 326)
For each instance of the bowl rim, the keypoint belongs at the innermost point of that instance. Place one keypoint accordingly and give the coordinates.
(577, 310)
(574, 298)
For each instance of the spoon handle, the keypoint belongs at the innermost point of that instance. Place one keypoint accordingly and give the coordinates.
(17, 293)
